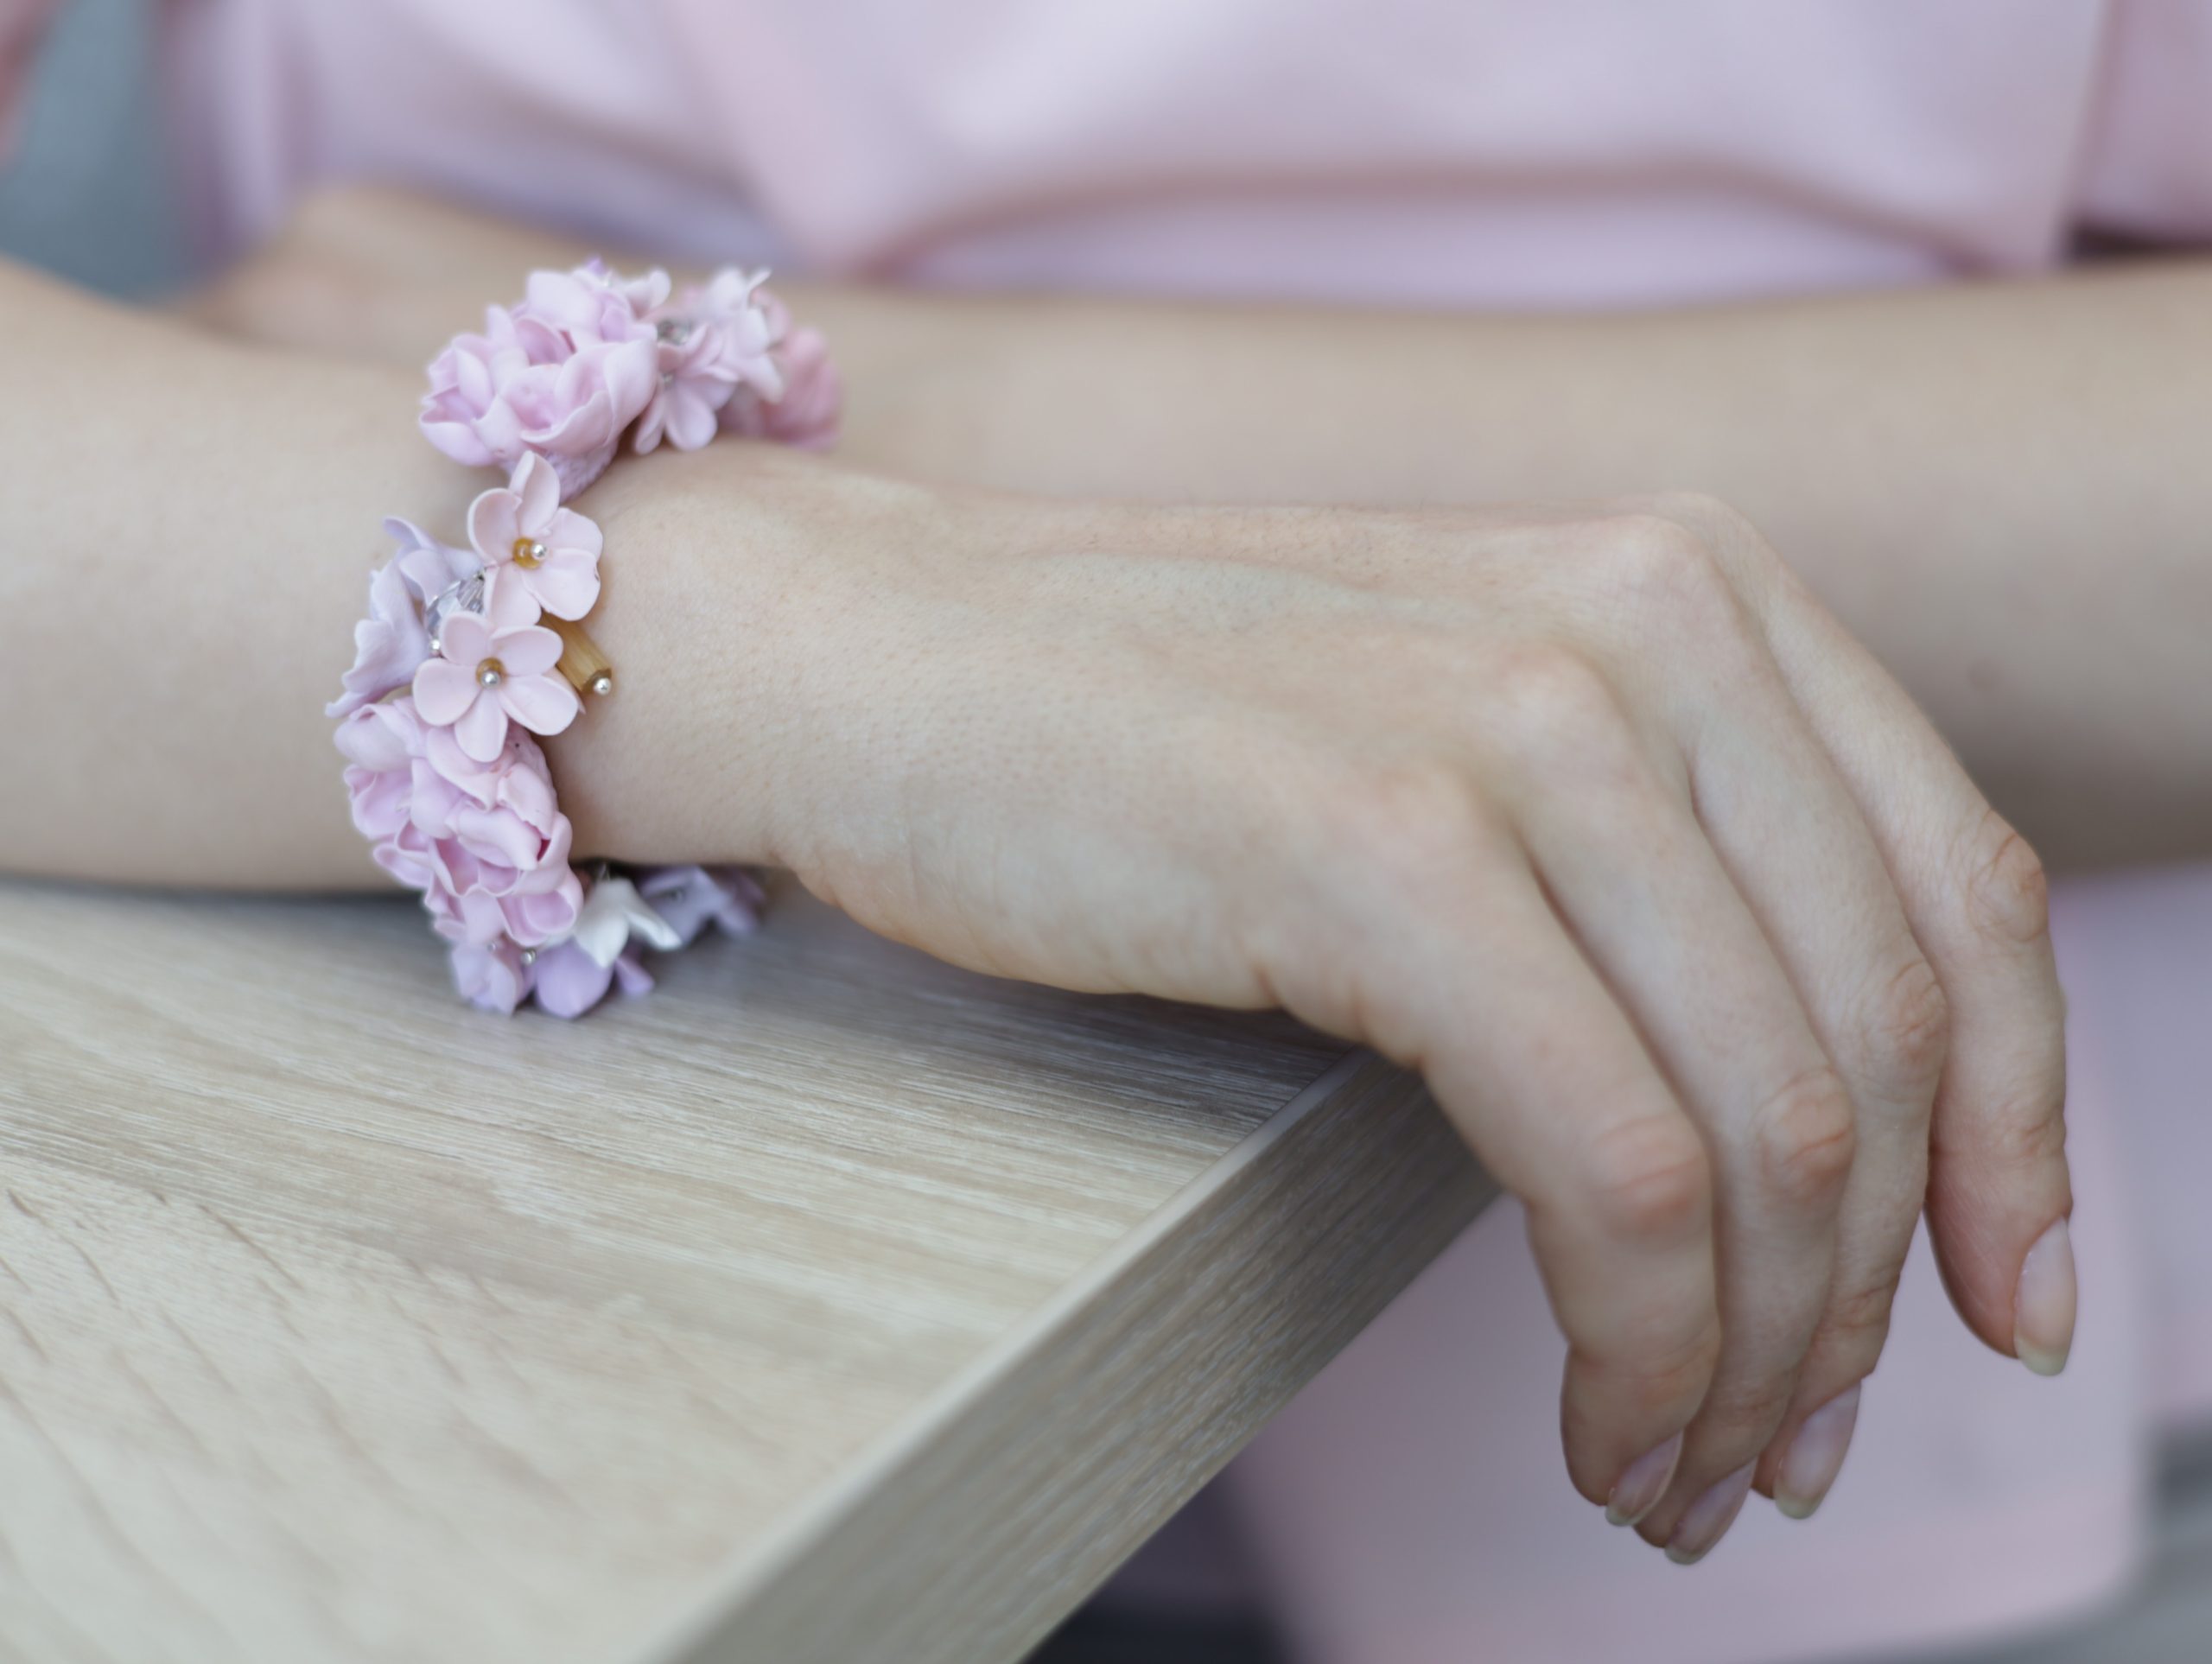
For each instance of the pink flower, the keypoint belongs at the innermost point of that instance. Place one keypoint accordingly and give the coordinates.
(442, 753)
(562, 375)
(493, 977)
(388, 644)
(714, 340)
(594, 306)
(429, 566)
(569, 981)
(493, 668)
(379, 800)
(535, 917)
(518, 843)
(688, 898)
(465, 898)
(812, 403)
(381, 742)
(694, 387)
(524, 533)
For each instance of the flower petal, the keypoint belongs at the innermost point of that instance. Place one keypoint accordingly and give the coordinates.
(570, 530)
(537, 495)
(543, 704)
(444, 691)
(482, 728)
(494, 523)
(463, 639)
(508, 606)
(530, 651)
(569, 980)
(567, 586)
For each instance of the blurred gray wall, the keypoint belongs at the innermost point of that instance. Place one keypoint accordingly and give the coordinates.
(84, 194)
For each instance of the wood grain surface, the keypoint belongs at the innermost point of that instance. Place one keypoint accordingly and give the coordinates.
(830, 1304)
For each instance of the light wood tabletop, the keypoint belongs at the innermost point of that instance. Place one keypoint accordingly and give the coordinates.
(830, 1304)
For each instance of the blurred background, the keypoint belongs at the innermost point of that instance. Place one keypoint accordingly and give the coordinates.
(84, 195)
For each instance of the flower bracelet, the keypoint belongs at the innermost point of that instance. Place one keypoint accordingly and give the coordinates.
(467, 652)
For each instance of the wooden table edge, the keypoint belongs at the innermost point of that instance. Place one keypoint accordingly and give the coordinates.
(971, 1529)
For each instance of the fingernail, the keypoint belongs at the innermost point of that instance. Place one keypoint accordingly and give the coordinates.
(1815, 1455)
(1709, 1518)
(2043, 1310)
(1643, 1485)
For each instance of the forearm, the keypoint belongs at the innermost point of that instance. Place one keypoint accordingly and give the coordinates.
(1999, 487)
(185, 530)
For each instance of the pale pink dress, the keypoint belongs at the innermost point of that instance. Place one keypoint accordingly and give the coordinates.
(1409, 1507)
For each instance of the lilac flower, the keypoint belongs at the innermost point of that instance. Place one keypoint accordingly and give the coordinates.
(562, 375)
(493, 977)
(689, 898)
(522, 532)
(493, 668)
(388, 644)
(570, 981)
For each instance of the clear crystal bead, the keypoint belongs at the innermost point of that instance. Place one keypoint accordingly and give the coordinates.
(465, 595)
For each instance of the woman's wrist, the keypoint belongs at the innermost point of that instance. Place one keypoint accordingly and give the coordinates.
(729, 590)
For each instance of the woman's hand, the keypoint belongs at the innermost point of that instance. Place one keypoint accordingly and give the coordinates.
(1697, 930)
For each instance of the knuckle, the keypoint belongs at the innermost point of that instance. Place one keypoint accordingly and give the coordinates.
(1661, 561)
(1667, 575)
(1649, 1180)
(1651, 1375)
(1906, 1033)
(1804, 1139)
(2025, 1132)
(2007, 890)
(1552, 697)
(1743, 1412)
(1857, 1320)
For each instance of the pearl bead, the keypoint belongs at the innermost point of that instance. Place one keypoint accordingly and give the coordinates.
(529, 553)
(490, 673)
(603, 683)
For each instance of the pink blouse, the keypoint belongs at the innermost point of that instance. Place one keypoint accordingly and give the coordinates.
(1440, 153)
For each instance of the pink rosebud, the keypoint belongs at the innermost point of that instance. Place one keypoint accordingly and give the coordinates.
(386, 735)
(379, 801)
(592, 305)
(535, 917)
(468, 413)
(493, 668)
(522, 532)
(381, 742)
(562, 375)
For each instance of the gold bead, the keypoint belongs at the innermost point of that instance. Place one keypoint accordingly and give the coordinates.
(529, 553)
(603, 683)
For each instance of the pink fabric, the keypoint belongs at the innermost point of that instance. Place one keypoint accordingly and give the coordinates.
(1571, 153)
(1577, 153)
